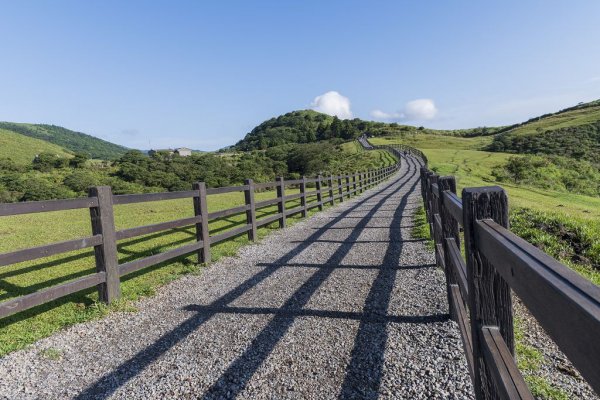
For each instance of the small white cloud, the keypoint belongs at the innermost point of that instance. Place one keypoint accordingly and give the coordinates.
(333, 103)
(420, 109)
(378, 114)
(415, 110)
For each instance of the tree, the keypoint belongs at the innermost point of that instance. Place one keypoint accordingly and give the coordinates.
(46, 162)
(79, 160)
(335, 128)
(80, 180)
(516, 167)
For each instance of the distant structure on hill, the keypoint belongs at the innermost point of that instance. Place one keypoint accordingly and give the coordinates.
(183, 151)
(180, 151)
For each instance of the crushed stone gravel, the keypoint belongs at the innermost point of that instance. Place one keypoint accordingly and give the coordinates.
(342, 305)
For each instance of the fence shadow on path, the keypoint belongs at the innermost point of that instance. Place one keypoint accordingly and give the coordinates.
(373, 318)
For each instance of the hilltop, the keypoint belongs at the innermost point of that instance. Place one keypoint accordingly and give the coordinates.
(22, 149)
(308, 126)
(68, 140)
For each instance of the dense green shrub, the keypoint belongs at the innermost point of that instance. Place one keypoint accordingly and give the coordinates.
(551, 172)
(565, 238)
(46, 162)
(579, 142)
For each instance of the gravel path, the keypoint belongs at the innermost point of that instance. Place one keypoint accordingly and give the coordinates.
(342, 305)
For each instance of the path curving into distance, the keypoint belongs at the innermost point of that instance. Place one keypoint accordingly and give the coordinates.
(343, 305)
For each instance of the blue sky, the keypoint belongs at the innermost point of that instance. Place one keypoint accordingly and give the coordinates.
(202, 74)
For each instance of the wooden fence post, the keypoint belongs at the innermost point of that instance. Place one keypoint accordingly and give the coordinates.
(450, 231)
(490, 301)
(362, 182)
(332, 202)
(202, 232)
(423, 173)
(303, 197)
(319, 193)
(430, 178)
(354, 184)
(251, 212)
(348, 185)
(281, 203)
(427, 198)
(340, 189)
(103, 223)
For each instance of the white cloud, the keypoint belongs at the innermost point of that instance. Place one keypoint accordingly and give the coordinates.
(378, 114)
(414, 110)
(333, 103)
(420, 109)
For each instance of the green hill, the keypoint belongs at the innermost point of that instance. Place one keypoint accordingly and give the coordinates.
(76, 142)
(573, 132)
(307, 126)
(294, 127)
(22, 149)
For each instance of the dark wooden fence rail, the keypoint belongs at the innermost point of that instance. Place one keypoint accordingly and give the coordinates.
(104, 237)
(497, 263)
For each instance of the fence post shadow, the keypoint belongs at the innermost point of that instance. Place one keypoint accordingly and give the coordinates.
(110, 382)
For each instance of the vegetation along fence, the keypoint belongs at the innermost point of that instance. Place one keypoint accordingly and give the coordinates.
(479, 289)
(104, 236)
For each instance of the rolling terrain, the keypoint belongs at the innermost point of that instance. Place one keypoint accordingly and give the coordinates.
(22, 149)
(573, 132)
(562, 223)
(69, 140)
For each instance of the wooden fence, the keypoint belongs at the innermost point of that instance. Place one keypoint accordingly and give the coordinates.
(104, 236)
(479, 289)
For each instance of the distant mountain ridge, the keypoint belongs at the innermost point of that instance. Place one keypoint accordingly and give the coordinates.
(72, 141)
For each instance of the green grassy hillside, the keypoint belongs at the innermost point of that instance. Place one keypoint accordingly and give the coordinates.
(22, 149)
(563, 119)
(576, 217)
(573, 132)
(76, 142)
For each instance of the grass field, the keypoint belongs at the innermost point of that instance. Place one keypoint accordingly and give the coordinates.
(567, 119)
(435, 141)
(30, 230)
(22, 149)
(472, 167)
(367, 159)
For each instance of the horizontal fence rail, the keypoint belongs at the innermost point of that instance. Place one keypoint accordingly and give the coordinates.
(497, 262)
(107, 278)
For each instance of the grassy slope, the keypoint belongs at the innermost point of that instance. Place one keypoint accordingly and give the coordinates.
(559, 120)
(67, 139)
(22, 149)
(472, 167)
(377, 158)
